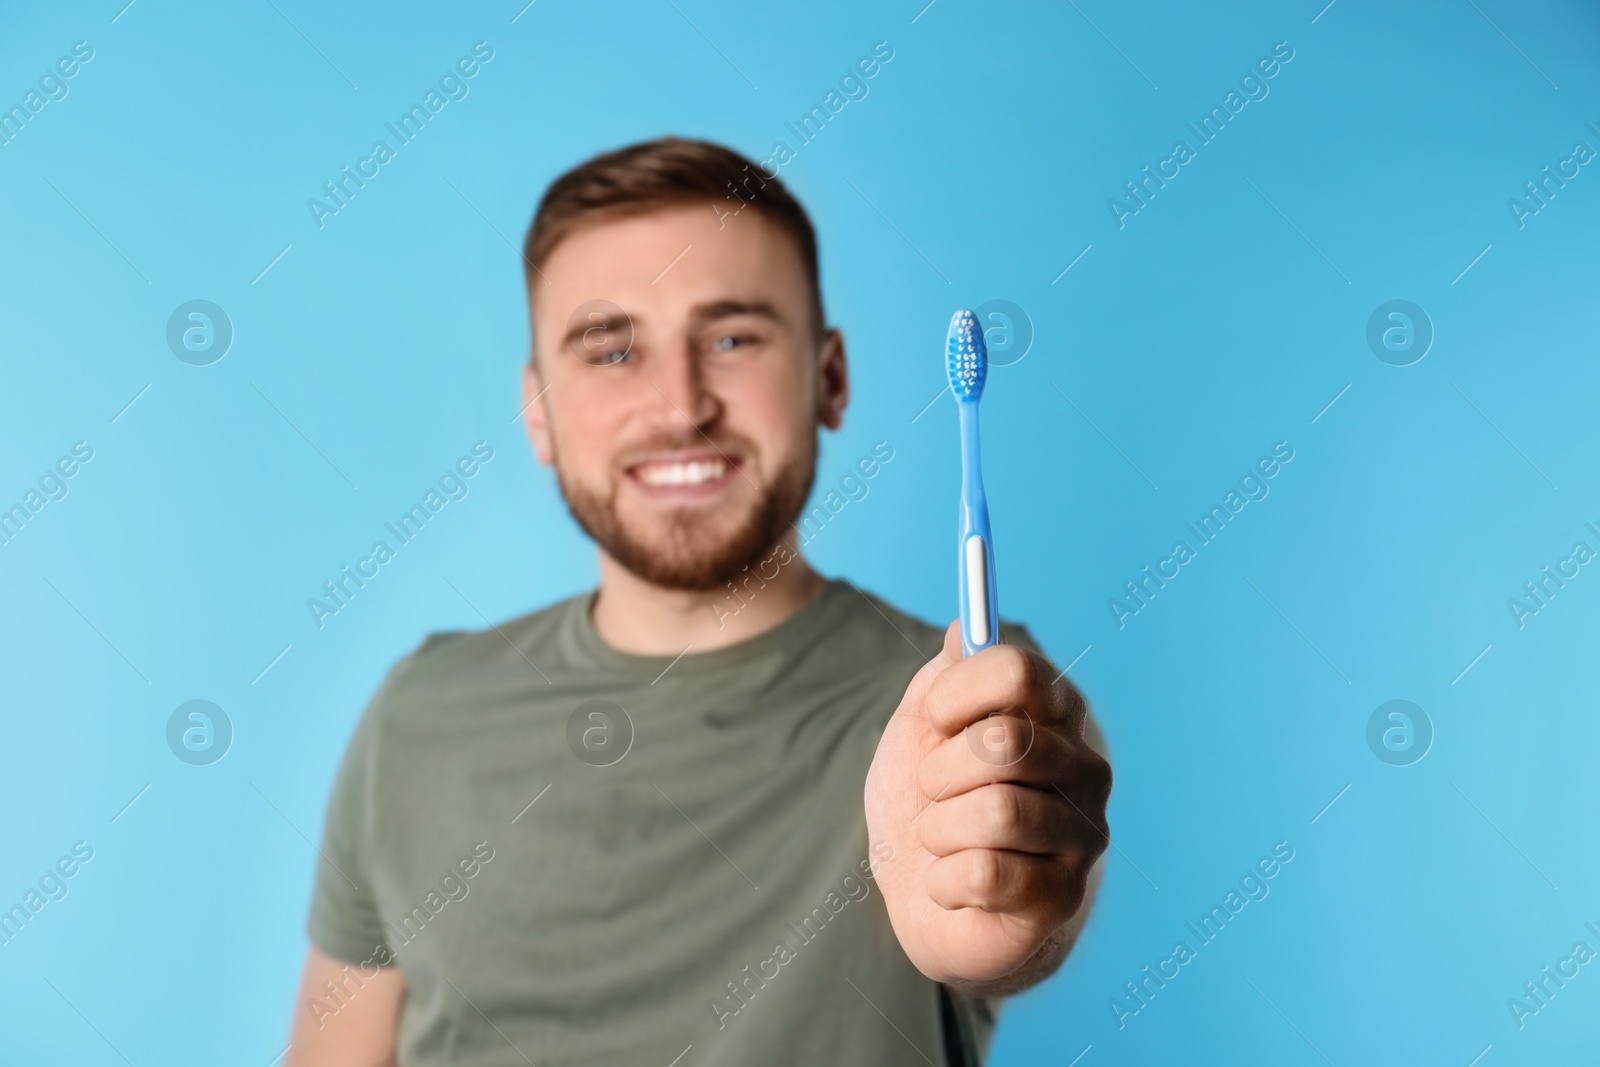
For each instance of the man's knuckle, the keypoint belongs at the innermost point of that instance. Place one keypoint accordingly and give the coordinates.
(1003, 813)
(1100, 781)
(1001, 740)
(985, 875)
(1075, 707)
(1097, 847)
(1072, 886)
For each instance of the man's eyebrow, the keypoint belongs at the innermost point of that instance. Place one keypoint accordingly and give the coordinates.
(700, 314)
(596, 321)
(721, 309)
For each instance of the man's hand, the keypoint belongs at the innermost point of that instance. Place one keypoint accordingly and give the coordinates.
(995, 807)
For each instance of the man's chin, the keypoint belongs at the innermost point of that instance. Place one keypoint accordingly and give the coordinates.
(684, 550)
(694, 549)
(684, 561)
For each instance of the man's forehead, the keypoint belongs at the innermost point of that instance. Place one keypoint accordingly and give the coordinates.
(654, 247)
(699, 237)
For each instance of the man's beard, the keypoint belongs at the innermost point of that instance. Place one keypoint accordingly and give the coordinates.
(683, 556)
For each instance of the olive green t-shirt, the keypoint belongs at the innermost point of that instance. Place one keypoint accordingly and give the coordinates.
(581, 856)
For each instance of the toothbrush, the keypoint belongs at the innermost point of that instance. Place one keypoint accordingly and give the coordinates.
(966, 360)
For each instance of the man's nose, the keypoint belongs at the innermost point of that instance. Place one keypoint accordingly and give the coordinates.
(680, 380)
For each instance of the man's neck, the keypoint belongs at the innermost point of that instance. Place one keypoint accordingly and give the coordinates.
(636, 616)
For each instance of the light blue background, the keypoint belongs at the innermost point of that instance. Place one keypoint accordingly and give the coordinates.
(977, 168)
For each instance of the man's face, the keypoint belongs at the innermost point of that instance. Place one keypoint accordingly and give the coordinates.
(682, 384)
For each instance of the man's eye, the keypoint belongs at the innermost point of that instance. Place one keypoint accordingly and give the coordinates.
(612, 357)
(731, 341)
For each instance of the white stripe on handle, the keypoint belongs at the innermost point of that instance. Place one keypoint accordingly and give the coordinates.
(977, 592)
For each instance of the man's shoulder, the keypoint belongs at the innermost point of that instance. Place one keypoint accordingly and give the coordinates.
(448, 657)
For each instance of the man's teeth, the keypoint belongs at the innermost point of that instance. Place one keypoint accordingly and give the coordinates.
(695, 473)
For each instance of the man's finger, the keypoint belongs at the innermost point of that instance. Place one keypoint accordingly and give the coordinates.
(1045, 890)
(998, 678)
(1002, 816)
(1003, 749)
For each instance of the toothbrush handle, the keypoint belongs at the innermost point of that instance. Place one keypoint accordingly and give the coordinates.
(979, 599)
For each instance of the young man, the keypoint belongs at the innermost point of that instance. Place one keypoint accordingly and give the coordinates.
(720, 811)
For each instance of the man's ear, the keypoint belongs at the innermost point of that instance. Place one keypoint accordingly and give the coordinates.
(534, 417)
(833, 381)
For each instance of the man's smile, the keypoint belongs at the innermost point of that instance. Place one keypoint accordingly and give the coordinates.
(684, 475)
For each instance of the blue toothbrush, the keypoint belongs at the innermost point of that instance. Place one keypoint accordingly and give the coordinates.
(967, 361)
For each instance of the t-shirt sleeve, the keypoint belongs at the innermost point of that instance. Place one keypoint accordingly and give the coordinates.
(344, 921)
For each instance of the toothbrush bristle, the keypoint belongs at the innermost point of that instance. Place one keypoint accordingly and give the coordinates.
(966, 358)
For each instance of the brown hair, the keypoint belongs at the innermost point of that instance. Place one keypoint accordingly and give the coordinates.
(669, 170)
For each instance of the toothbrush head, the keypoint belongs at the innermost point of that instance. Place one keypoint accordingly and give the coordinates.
(966, 358)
